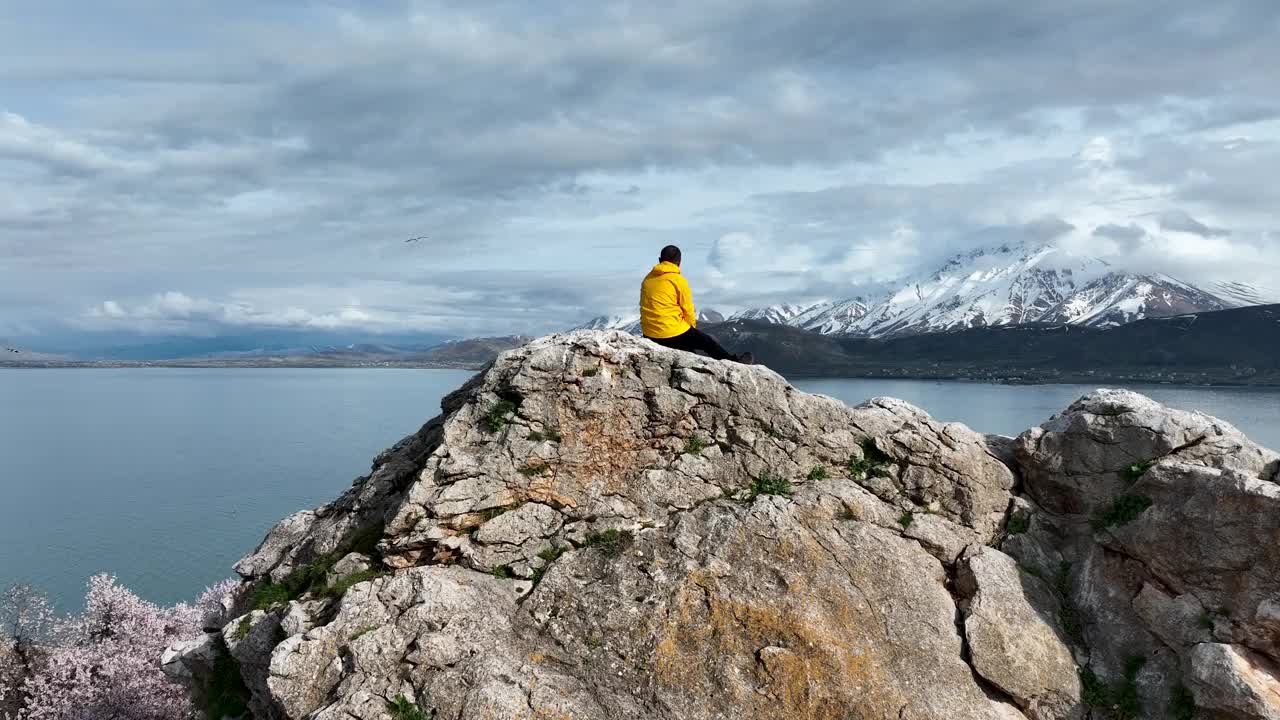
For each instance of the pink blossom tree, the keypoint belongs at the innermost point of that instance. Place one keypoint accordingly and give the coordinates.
(103, 664)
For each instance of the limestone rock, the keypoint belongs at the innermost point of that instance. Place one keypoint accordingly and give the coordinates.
(189, 659)
(1015, 637)
(1233, 679)
(599, 528)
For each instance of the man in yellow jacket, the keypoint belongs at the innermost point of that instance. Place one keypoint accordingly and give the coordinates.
(667, 316)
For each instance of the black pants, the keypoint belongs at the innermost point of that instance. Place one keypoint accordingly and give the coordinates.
(693, 340)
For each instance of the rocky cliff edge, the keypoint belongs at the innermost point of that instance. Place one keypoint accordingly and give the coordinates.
(596, 527)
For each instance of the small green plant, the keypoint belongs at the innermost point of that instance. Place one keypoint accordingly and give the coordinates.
(611, 542)
(906, 518)
(872, 463)
(694, 445)
(402, 709)
(591, 371)
(1182, 704)
(362, 631)
(1134, 472)
(226, 694)
(594, 641)
(550, 434)
(553, 553)
(1124, 509)
(271, 594)
(313, 576)
(1018, 523)
(340, 588)
(498, 415)
(243, 628)
(816, 474)
(535, 469)
(548, 556)
(1068, 614)
(769, 484)
(502, 571)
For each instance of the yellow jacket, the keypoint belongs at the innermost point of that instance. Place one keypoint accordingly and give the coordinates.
(666, 303)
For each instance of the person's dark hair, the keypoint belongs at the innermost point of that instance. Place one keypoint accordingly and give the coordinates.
(670, 254)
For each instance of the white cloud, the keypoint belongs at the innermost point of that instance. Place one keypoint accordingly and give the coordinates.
(802, 150)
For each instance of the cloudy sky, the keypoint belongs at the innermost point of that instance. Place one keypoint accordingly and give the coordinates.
(173, 166)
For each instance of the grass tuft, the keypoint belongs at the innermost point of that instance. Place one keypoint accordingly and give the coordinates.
(243, 628)
(611, 542)
(769, 484)
(816, 474)
(402, 709)
(498, 415)
(694, 445)
(361, 632)
(591, 371)
(1124, 509)
(548, 556)
(313, 577)
(1134, 472)
(906, 518)
(341, 587)
(873, 462)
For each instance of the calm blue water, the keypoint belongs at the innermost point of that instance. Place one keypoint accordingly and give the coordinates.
(166, 477)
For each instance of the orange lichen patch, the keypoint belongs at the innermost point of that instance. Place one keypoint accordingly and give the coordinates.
(537, 658)
(597, 457)
(549, 490)
(811, 647)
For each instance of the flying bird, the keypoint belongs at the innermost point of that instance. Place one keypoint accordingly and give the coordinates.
(416, 239)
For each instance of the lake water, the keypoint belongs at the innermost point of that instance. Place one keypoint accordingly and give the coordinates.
(165, 477)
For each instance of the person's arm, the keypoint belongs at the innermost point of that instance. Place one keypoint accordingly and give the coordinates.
(686, 300)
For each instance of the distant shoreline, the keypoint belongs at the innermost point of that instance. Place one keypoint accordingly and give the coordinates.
(1180, 378)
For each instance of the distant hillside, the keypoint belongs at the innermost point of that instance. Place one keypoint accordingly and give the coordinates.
(470, 354)
(1237, 346)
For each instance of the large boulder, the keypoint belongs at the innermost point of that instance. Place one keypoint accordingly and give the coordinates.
(1166, 528)
(596, 527)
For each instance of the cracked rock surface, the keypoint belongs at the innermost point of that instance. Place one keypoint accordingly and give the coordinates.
(596, 527)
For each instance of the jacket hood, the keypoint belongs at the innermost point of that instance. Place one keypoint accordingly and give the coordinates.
(664, 268)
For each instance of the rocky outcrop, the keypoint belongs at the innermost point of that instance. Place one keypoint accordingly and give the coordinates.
(596, 527)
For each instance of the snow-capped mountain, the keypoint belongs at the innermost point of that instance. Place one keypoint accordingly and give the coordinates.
(833, 318)
(631, 323)
(781, 314)
(1010, 285)
(626, 323)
